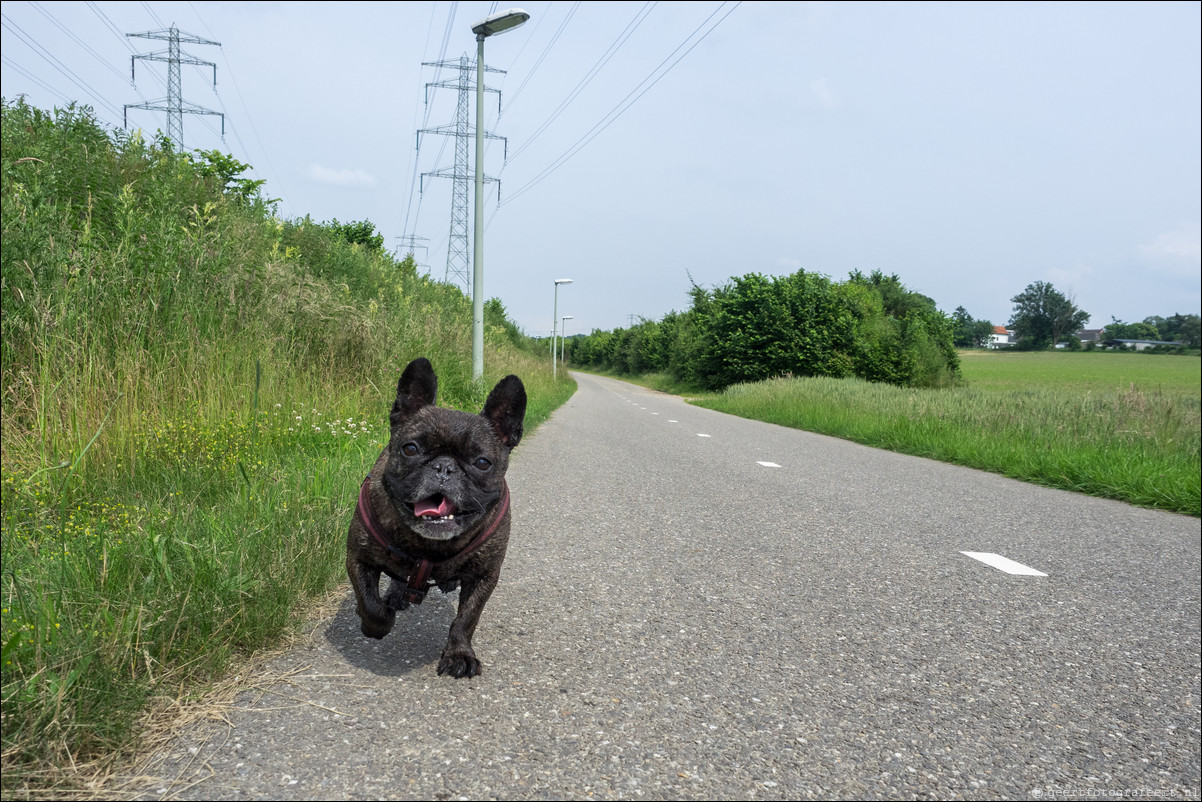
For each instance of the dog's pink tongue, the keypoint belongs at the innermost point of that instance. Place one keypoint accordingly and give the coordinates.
(427, 507)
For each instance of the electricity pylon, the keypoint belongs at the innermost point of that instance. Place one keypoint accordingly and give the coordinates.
(173, 104)
(409, 245)
(462, 175)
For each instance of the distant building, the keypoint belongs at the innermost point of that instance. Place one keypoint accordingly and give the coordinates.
(1139, 345)
(1001, 337)
(1090, 336)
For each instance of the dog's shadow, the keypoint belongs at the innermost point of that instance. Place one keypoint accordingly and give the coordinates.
(417, 638)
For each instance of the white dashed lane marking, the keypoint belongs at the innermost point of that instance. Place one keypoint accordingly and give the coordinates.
(994, 560)
(1002, 563)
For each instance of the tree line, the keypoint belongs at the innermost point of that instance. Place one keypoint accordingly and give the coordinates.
(755, 327)
(1044, 317)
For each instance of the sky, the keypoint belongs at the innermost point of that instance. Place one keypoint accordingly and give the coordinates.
(971, 149)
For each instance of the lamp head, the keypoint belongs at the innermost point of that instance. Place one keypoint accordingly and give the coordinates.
(499, 22)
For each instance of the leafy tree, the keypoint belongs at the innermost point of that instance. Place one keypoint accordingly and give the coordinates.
(358, 233)
(1043, 316)
(756, 327)
(1118, 330)
(969, 333)
(226, 169)
(1178, 328)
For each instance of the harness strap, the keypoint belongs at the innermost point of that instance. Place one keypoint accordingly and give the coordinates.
(419, 579)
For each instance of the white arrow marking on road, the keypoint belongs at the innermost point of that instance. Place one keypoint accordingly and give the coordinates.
(767, 464)
(703, 435)
(1003, 564)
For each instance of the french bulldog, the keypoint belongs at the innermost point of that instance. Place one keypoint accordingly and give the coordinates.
(435, 511)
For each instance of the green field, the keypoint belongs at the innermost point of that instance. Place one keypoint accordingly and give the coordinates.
(1081, 371)
(1117, 425)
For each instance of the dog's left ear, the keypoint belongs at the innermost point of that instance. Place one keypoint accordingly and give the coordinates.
(417, 388)
(505, 409)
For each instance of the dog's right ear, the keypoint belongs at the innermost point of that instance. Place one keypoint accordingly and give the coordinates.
(417, 388)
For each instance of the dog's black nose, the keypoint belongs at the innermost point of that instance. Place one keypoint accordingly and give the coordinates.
(444, 467)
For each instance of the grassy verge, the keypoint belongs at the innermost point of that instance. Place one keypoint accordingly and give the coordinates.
(1121, 426)
(150, 582)
(191, 390)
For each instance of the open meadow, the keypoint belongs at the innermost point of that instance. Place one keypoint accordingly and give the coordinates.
(1117, 425)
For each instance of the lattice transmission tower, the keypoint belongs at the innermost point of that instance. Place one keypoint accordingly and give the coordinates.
(462, 174)
(410, 244)
(174, 104)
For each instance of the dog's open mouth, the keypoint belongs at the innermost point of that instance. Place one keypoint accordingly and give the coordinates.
(435, 508)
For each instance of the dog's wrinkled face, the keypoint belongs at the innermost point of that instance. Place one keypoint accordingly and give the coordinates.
(445, 471)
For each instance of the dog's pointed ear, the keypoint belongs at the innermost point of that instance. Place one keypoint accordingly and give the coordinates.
(417, 388)
(505, 409)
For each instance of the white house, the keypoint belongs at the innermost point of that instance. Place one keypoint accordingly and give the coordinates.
(1001, 337)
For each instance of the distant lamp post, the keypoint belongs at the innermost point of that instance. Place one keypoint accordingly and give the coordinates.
(554, 323)
(497, 23)
(563, 335)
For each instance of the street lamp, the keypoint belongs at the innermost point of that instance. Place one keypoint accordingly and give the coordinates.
(563, 335)
(555, 322)
(497, 23)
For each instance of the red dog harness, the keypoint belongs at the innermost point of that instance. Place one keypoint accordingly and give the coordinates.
(419, 581)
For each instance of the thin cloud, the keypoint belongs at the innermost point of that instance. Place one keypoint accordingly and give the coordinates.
(355, 179)
(1176, 254)
(1183, 243)
(1068, 279)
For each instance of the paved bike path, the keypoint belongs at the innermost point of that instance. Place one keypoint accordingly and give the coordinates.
(699, 606)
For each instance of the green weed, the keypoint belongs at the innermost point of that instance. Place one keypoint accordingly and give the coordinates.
(191, 390)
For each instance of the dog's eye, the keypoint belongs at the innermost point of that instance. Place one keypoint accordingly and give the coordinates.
(409, 449)
(482, 464)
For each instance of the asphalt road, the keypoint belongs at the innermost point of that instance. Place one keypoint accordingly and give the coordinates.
(677, 619)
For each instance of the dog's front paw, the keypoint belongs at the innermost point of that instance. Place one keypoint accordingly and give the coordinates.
(375, 630)
(376, 627)
(459, 664)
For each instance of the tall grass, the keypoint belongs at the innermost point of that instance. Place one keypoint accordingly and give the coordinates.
(1088, 427)
(191, 391)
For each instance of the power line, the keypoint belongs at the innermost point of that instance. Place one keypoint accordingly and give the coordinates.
(113, 29)
(417, 150)
(153, 15)
(54, 20)
(54, 62)
(34, 79)
(546, 50)
(625, 103)
(610, 52)
(245, 109)
(109, 23)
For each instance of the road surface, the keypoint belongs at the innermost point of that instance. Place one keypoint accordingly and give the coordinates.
(702, 607)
